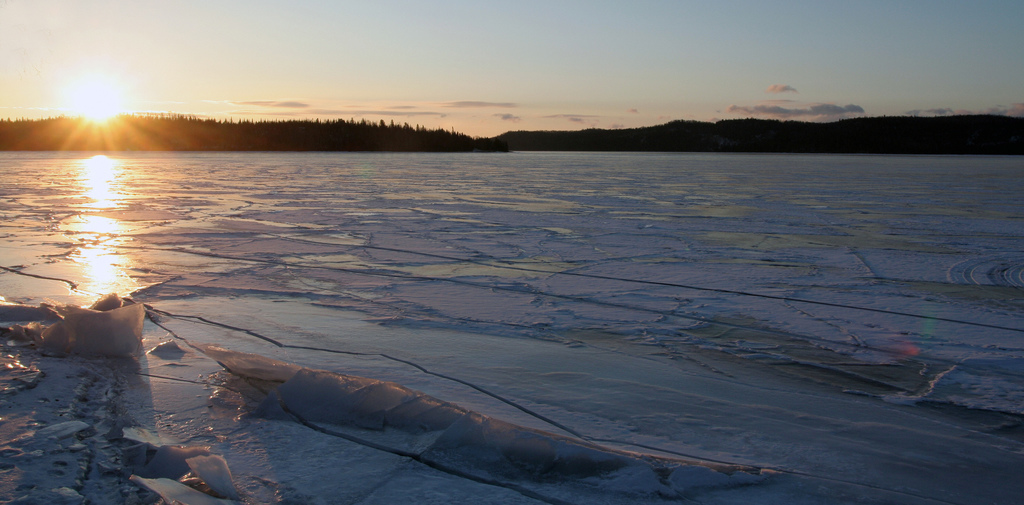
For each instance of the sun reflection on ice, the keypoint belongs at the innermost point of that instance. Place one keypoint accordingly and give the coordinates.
(98, 174)
(101, 269)
(102, 264)
(98, 225)
(97, 236)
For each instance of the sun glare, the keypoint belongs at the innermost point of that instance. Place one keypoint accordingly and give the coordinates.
(95, 97)
(98, 175)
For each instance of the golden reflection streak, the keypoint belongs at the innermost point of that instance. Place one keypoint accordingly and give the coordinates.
(101, 263)
(99, 234)
(98, 175)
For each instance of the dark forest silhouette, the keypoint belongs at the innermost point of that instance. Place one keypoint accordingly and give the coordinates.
(981, 134)
(189, 133)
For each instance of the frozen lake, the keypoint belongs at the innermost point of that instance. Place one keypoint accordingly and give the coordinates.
(850, 324)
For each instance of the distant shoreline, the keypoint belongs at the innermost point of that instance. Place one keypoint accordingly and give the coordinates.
(189, 133)
(984, 134)
(951, 135)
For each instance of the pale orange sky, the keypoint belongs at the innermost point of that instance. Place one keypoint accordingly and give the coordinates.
(484, 68)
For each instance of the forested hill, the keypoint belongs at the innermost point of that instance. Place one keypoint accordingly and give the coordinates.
(186, 133)
(882, 135)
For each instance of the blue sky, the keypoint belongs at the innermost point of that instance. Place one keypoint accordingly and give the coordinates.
(487, 67)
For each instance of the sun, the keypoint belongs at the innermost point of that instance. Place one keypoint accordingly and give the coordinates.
(95, 97)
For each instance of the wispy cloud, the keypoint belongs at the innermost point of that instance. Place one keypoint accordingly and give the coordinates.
(401, 113)
(508, 117)
(59, 109)
(930, 112)
(1016, 109)
(162, 102)
(781, 88)
(818, 111)
(337, 113)
(575, 118)
(284, 104)
(632, 111)
(588, 120)
(469, 104)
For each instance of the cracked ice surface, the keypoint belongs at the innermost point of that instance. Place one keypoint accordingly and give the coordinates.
(852, 323)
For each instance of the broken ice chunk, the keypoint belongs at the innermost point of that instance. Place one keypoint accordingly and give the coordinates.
(474, 443)
(145, 436)
(15, 312)
(322, 396)
(339, 399)
(507, 449)
(636, 478)
(251, 365)
(31, 329)
(173, 491)
(167, 350)
(688, 478)
(116, 332)
(62, 430)
(24, 334)
(169, 461)
(214, 471)
(424, 413)
(107, 302)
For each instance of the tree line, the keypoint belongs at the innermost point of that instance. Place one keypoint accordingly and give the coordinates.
(972, 134)
(189, 133)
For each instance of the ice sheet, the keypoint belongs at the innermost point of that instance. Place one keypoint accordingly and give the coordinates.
(850, 322)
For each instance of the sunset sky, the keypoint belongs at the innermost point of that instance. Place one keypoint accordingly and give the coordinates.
(484, 67)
